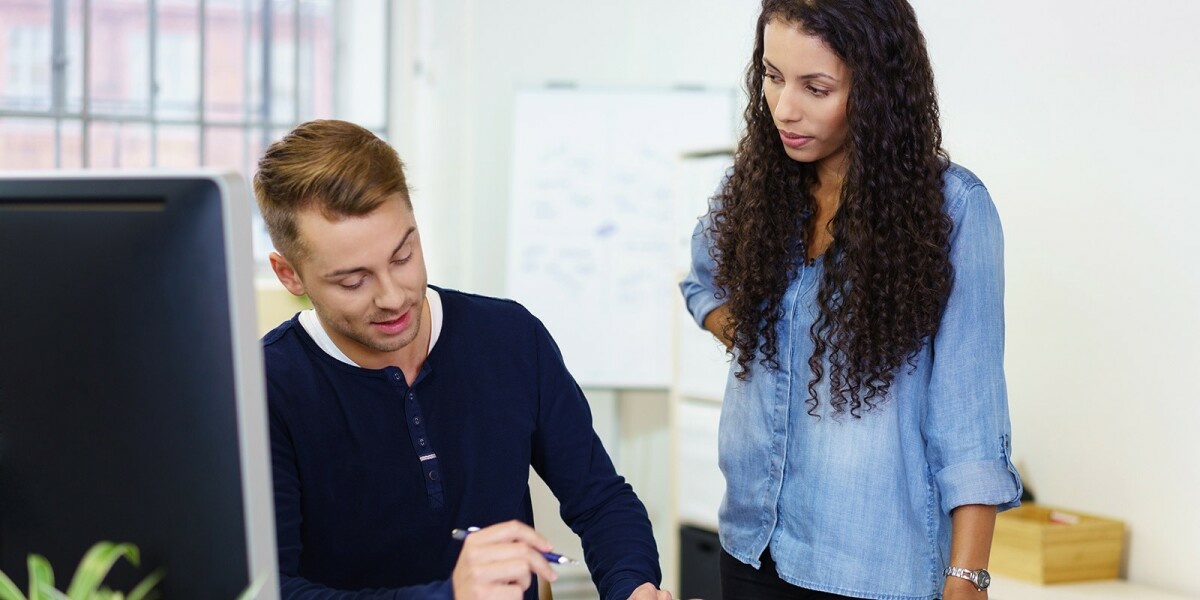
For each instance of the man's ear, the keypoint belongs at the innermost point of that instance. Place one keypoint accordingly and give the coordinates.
(287, 274)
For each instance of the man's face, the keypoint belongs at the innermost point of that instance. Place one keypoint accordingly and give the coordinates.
(366, 278)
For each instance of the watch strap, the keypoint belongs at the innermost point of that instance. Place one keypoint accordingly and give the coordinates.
(981, 579)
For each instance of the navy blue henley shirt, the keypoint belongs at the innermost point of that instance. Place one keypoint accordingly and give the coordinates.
(371, 475)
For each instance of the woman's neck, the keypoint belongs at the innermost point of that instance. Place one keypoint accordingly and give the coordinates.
(831, 172)
(827, 195)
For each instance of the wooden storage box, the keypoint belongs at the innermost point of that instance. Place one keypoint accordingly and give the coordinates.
(1051, 545)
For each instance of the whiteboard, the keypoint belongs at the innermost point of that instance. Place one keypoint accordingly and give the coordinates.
(591, 241)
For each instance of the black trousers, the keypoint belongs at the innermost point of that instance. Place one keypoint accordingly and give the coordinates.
(740, 581)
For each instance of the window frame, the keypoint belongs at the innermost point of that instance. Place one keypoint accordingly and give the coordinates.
(258, 120)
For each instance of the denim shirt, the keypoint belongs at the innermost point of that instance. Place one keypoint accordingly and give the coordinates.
(861, 507)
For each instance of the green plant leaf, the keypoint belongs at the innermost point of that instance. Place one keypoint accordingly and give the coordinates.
(8, 589)
(53, 594)
(95, 566)
(146, 587)
(41, 576)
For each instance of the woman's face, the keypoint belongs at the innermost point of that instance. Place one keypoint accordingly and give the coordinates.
(806, 87)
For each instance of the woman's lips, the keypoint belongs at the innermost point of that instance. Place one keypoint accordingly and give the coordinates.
(792, 140)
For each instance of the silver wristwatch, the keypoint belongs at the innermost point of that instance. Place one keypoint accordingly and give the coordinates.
(981, 578)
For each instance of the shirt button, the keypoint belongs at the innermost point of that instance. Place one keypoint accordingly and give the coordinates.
(421, 442)
(416, 420)
(433, 475)
(396, 376)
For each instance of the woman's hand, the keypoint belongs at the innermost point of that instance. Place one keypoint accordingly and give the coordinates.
(716, 323)
(970, 544)
(957, 588)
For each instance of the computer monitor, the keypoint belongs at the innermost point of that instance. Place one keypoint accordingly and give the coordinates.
(132, 403)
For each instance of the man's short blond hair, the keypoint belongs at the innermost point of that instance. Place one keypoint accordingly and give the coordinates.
(335, 167)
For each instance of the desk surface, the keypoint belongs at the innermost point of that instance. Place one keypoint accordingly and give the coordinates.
(1004, 588)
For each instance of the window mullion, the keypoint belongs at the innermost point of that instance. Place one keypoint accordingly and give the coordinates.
(247, 82)
(295, 61)
(390, 48)
(338, 16)
(85, 102)
(152, 106)
(58, 73)
(267, 32)
(203, 7)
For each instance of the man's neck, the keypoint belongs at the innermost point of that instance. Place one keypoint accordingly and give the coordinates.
(409, 358)
(412, 357)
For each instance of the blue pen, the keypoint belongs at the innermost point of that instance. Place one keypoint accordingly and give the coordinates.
(558, 559)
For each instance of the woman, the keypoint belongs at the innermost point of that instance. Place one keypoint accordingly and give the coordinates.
(856, 275)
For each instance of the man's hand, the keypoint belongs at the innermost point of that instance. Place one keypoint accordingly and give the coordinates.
(498, 563)
(647, 591)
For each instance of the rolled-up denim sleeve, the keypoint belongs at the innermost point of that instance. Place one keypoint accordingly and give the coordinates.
(967, 427)
(699, 291)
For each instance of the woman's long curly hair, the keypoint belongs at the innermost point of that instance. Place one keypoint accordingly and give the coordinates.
(887, 274)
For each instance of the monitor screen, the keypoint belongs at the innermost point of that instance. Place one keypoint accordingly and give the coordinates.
(132, 403)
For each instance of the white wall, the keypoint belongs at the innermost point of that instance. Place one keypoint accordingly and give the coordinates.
(1080, 117)
(483, 51)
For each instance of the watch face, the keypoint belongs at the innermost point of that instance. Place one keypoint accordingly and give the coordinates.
(983, 579)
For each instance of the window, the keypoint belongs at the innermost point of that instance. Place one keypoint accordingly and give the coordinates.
(27, 59)
(182, 83)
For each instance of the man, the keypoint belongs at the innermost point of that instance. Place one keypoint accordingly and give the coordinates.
(400, 411)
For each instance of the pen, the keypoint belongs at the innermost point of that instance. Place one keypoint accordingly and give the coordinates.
(558, 559)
